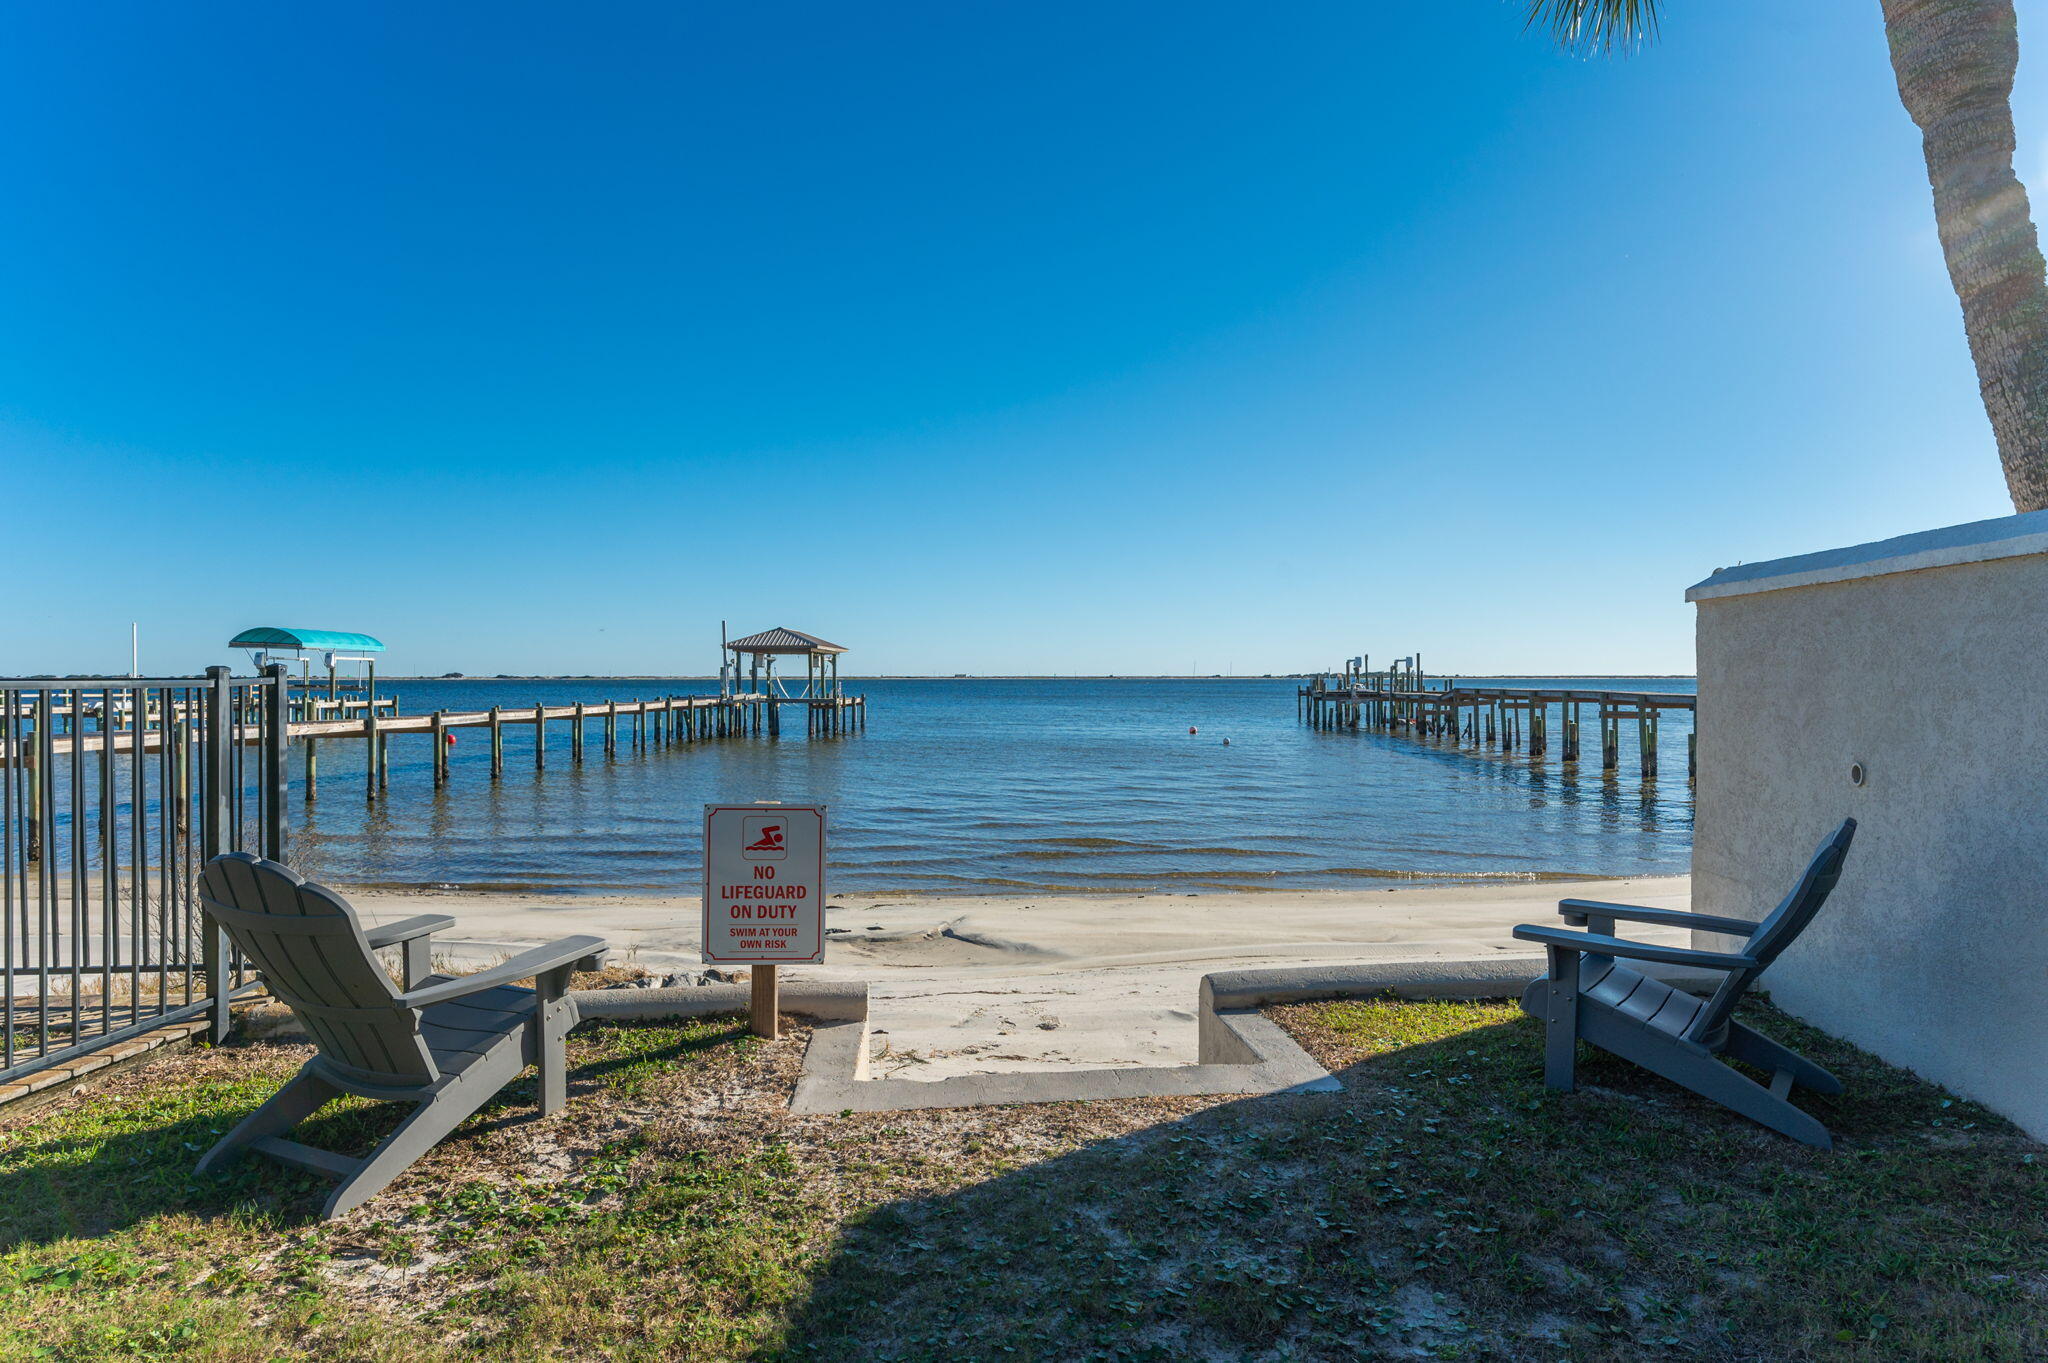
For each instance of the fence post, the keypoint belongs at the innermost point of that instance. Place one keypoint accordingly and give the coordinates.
(35, 780)
(276, 734)
(213, 813)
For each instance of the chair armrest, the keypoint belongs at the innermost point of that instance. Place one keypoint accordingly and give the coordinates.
(1635, 951)
(558, 955)
(405, 929)
(1576, 911)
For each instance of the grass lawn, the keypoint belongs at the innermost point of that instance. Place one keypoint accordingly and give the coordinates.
(1443, 1206)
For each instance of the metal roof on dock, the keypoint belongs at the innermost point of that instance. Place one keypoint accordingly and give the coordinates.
(783, 640)
(273, 636)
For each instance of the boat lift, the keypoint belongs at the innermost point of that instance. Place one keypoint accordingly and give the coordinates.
(336, 649)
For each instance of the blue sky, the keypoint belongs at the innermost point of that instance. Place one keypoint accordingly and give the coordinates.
(988, 338)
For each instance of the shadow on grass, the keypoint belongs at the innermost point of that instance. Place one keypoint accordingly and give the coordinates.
(1446, 1205)
(109, 1164)
(621, 1054)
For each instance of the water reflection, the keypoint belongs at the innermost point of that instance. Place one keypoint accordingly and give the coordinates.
(965, 785)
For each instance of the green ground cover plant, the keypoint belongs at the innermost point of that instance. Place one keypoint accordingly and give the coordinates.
(1443, 1206)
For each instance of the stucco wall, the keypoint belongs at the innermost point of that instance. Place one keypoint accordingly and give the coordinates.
(1932, 952)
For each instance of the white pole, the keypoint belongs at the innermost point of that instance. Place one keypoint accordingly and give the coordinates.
(134, 649)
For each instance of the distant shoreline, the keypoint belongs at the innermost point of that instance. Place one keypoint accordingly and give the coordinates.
(1041, 676)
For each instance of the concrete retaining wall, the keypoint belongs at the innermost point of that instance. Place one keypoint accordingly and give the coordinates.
(1241, 1050)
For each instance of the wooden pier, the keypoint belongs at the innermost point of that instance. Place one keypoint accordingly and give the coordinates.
(658, 723)
(1508, 719)
(640, 725)
(304, 705)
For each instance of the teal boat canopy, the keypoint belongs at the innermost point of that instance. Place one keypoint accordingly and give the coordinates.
(341, 641)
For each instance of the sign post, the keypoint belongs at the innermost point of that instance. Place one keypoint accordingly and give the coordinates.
(764, 895)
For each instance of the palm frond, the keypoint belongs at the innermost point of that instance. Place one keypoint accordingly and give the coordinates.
(1596, 25)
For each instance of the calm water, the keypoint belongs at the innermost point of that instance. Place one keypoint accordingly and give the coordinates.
(1004, 786)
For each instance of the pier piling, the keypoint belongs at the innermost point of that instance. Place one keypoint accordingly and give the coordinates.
(667, 721)
(370, 749)
(1503, 719)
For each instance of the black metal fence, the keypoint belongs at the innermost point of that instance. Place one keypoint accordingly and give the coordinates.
(112, 795)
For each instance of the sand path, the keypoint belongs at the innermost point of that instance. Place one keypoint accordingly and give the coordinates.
(971, 985)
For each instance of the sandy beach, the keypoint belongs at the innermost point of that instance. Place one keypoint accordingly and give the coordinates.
(978, 984)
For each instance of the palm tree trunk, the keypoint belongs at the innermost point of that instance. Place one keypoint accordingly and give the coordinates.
(1955, 61)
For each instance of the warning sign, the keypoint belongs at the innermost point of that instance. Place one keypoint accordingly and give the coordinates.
(764, 884)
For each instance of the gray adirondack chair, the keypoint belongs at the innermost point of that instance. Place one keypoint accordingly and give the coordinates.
(1587, 994)
(447, 1044)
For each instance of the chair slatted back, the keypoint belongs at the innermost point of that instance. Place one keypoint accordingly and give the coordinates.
(305, 940)
(1779, 929)
(1796, 910)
